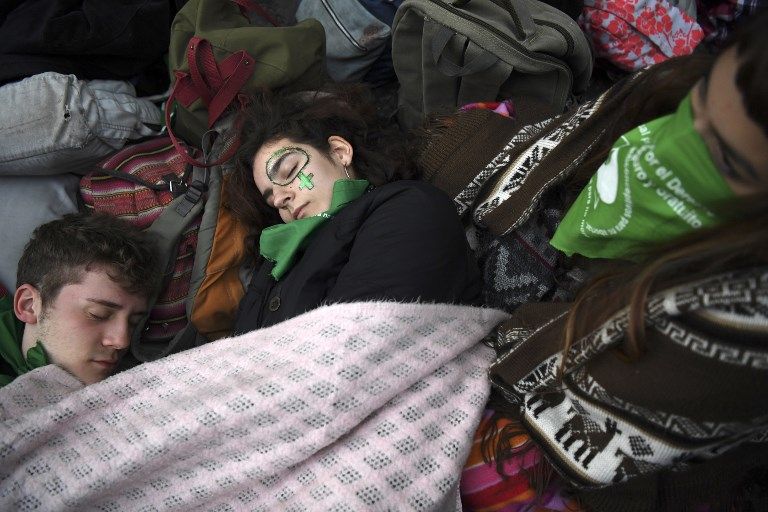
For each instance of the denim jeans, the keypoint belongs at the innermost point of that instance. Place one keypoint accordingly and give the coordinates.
(354, 38)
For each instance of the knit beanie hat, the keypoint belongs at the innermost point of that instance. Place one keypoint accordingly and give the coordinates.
(462, 146)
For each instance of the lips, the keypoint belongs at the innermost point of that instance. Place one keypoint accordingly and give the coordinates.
(106, 364)
(297, 213)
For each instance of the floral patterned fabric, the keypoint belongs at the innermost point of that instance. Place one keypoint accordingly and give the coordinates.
(636, 34)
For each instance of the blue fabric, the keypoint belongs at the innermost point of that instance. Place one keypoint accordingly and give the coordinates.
(382, 71)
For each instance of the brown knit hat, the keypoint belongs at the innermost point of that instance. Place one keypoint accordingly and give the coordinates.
(462, 145)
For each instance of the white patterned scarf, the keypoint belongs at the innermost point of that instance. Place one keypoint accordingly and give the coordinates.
(364, 406)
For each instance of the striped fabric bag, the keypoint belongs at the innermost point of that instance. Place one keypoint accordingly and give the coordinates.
(136, 184)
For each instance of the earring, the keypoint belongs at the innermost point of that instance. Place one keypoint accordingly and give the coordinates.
(346, 171)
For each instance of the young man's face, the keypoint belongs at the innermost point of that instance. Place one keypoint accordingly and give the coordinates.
(87, 328)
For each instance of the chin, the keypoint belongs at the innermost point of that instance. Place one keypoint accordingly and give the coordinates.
(91, 377)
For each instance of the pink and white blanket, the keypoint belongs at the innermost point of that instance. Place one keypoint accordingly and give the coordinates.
(364, 406)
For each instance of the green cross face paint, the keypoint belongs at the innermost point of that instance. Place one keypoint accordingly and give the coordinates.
(305, 181)
(288, 163)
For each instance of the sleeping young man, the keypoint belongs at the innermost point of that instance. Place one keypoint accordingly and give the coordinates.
(83, 284)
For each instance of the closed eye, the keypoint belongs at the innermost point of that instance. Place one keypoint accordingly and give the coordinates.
(733, 164)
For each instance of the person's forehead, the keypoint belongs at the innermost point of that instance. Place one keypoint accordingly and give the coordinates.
(721, 91)
(97, 284)
(262, 157)
(270, 149)
(727, 110)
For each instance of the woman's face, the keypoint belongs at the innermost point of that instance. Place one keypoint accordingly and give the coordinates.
(737, 144)
(297, 179)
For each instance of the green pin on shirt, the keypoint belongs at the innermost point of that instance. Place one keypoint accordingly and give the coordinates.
(305, 181)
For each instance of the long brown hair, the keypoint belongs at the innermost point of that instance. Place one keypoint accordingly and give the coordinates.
(737, 244)
(650, 94)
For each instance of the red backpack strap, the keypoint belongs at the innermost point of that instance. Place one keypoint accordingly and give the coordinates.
(218, 85)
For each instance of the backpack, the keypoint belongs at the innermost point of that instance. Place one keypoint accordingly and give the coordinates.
(54, 123)
(451, 53)
(175, 190)
(151, 186)
(216, 54)
(354, 38)
(696, 393)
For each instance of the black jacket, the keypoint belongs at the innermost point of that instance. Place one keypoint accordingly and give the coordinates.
(401, 241)
(90, 39)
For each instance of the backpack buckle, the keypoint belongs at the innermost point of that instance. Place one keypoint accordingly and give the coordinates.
(193, 196)
(176, 185)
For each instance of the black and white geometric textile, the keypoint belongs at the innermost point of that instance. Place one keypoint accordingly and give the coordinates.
(597, 438)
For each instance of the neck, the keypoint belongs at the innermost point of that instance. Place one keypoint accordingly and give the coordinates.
(30, 338)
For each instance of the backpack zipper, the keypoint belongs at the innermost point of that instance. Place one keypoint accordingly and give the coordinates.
(504, 37)
(67, 113)
(507, 6)
(568, 39)
(343, 28)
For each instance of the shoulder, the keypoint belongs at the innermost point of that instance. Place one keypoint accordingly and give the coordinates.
(404, 209)
(409, 195)
(398, 209)
(410, 187)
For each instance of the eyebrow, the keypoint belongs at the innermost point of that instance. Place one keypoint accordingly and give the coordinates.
(277, 162)
(733, 157)
(113, 305)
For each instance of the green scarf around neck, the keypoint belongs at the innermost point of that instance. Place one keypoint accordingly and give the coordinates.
(282, 243)
(659, 182)
(11, 333)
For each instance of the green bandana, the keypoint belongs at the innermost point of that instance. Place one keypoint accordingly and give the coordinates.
(282, 242)
(657, 184)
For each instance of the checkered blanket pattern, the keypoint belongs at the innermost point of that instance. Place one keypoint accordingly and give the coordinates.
(364, 406)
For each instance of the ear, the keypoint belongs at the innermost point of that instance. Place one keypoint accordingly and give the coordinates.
(341, 149)
(27, 304)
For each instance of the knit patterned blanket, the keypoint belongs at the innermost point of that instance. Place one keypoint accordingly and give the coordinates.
(364, 406)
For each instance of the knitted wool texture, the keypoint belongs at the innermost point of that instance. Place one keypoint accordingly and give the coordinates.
(348, 407)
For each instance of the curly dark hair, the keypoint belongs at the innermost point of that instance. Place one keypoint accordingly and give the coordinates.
(61, 251)
(381, 154)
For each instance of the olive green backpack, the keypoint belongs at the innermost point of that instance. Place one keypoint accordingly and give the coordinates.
(217, 56)
(448, 53)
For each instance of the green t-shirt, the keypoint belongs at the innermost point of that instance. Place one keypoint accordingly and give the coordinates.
(11, 332)
(658, 183)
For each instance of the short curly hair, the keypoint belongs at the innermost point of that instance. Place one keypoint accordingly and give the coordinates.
(61, 251)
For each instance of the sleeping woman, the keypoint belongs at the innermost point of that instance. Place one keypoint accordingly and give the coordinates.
(339, 215)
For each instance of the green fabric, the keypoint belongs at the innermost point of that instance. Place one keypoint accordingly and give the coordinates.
(658, 183)
(282, 243)
(11, 331)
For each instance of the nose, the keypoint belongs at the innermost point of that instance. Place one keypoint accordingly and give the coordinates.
(119, 337)
(282, 195)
